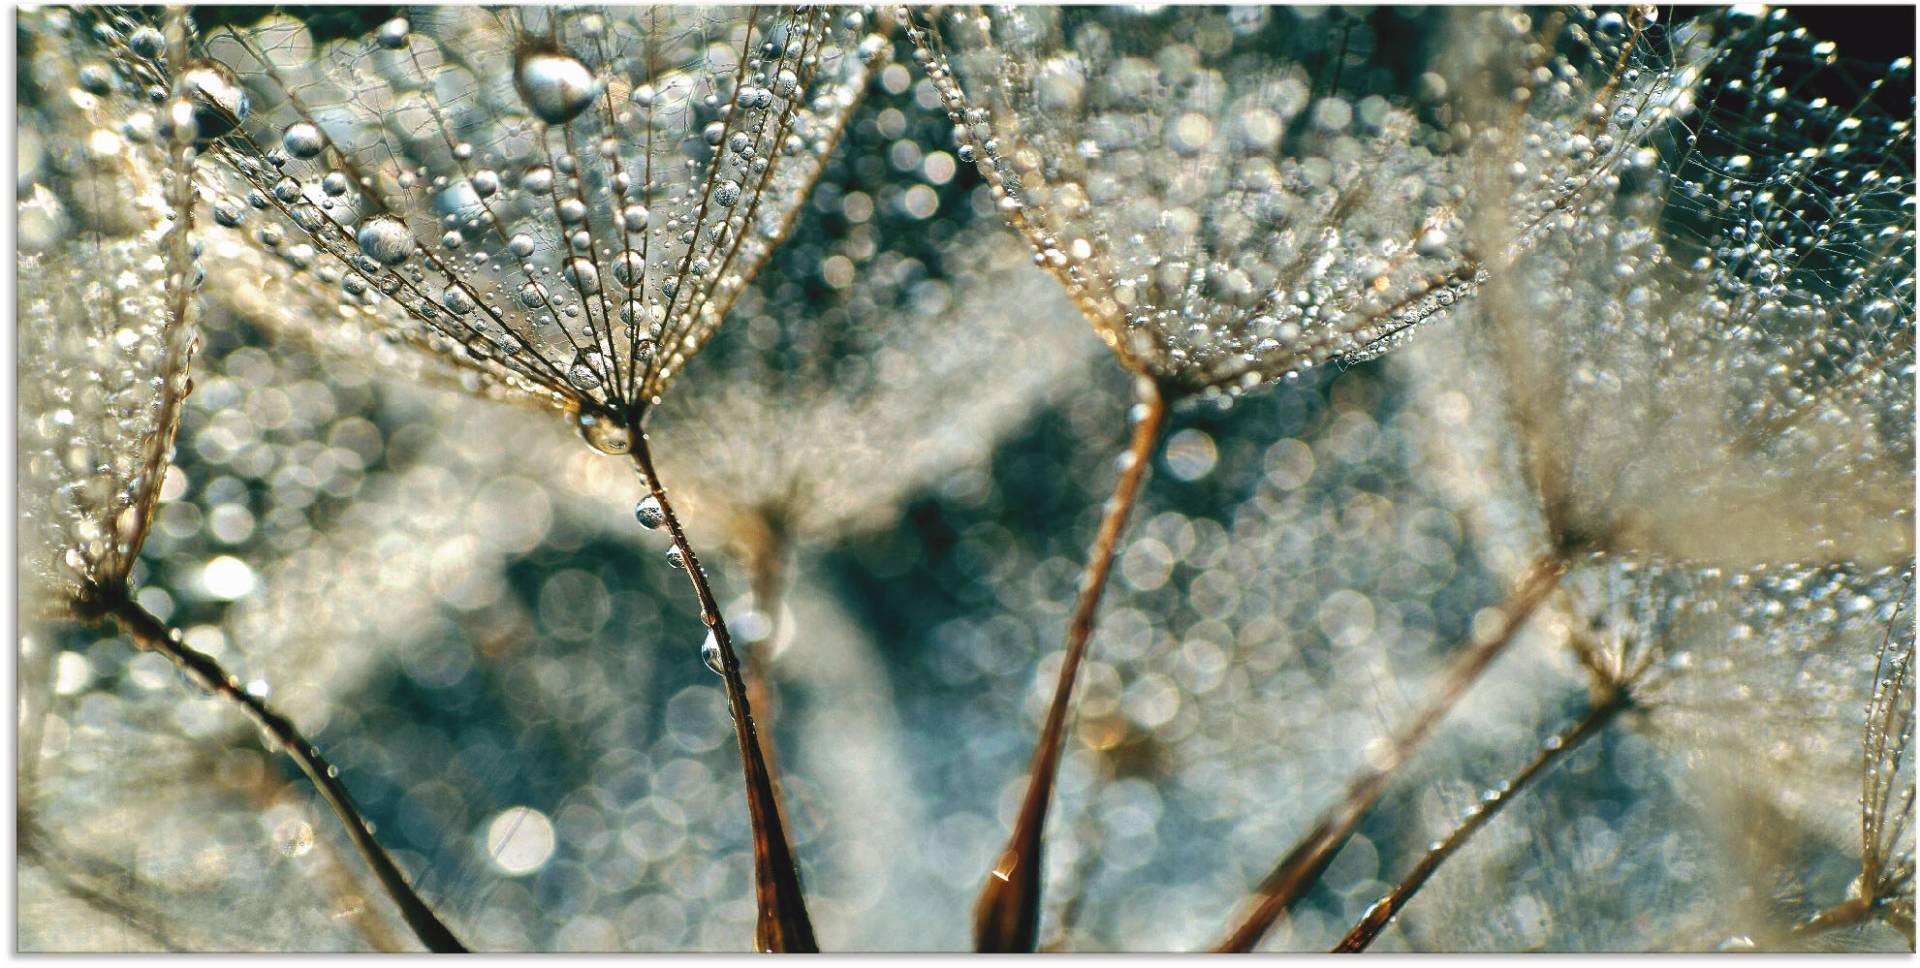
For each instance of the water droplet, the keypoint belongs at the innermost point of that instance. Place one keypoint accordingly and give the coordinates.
(582, 374)
(604, 434)
(147, 42)
(393, 34)
(303, 140)
(649, 513)
(554, 86)
(583, 275)
(710, 654)
(385, 240)
(726, 193)
(457, 301)
(676, 557)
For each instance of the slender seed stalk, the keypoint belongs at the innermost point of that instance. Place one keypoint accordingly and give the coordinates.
(149, 632)
(1846, 914)
(1382, 911)
(1301, 868)
(1006, 918)
(783, 923)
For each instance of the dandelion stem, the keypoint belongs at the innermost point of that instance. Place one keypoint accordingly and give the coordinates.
(1301, 868)
(783, 923)
(1006, 918)
(149, 632)
(1846, 914)
(1382, 911)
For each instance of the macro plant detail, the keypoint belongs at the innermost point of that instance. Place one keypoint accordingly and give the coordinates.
(1527, 395)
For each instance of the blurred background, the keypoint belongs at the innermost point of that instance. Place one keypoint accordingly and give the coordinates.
(453, 598)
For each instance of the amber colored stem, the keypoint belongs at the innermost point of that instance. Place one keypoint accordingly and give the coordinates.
(783, 923)
(149, 632)
(1006, 918)
(1301, 868)
(1382, 911)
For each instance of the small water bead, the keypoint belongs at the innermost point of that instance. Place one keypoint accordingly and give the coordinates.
(583, 275)
(677, 558)
(95, 79)
(385, 240)
(334, 184)
(710, 654)
(538, 180)
(147, 42)
(649, 513)
(457, 301)
(629, 269)
(726, 193)
(393, 34)
(303, 140)
(785, 82)
(582, 374)
(521, 245)
(228, 214)
(603, 433)
(554, 86)
(485, 183)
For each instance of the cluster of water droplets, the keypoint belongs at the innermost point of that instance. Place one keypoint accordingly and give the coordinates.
(99, 304)
(1233, 196)
(1724, 379)
(565, 203)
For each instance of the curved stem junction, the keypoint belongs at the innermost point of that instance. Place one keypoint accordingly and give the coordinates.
(1556, 748)
(1301, 868)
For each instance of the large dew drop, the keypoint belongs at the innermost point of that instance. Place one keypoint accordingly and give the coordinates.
(649, 513)
(385, 240)
(604, 434)
(303, 140)
(710, 654)
(555, 87)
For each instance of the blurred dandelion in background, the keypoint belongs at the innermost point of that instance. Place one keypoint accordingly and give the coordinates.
(1527, 397)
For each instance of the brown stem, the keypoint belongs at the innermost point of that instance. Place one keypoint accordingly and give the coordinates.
(1383, 910)
(783, 923)
(149, 632)
(1006, 918)
(1301, 868)
(1847, 913)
